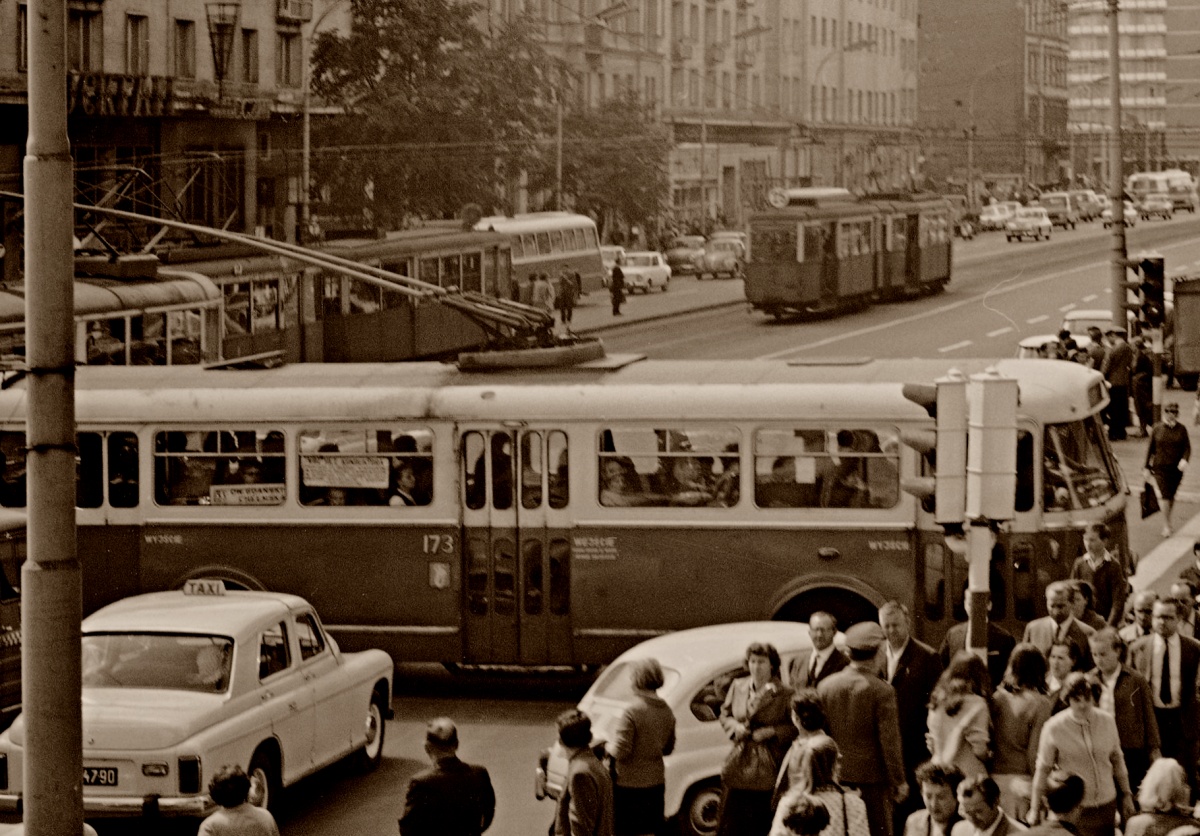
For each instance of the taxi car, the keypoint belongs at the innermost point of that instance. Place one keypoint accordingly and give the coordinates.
(646, 271)
(698, 667)
(177, 684)
(1031, 222)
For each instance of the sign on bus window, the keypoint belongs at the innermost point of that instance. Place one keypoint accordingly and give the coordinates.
(219, 467)
(669, 467)
(366, 466)
(826, 468)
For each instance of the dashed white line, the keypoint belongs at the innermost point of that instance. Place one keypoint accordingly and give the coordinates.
(1037, 319)
(954, 347)
(1072, 306)
(1000, 331)
(1093, 297)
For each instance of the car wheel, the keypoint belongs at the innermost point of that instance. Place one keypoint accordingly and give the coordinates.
(1009, 237)
(701, 810)
(367, 758)
(266, 787)
(666, 285)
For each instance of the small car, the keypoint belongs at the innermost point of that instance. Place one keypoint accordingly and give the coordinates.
(1030, 222)
(741, 238)
(1061, 208)
(1157, 206)
(1086, 203)
(177, 684)
(698, 667)
(722, 256)
(609, 255)
(646, 271)
(994, 216)
(685, 254)
(1131, 215)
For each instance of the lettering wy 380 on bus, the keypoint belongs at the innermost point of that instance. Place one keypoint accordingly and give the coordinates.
(887, 545)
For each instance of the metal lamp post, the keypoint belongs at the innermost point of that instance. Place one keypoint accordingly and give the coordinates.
(222, 26)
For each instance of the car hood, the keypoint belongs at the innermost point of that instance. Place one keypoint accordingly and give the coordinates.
(138, 718)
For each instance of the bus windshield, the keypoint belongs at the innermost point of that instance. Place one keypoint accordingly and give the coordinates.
(1078, 469)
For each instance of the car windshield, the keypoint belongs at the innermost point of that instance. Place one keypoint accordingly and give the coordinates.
(171, 661)
(1078, 470)
(616, 684)
(639, 260)
(691, 242)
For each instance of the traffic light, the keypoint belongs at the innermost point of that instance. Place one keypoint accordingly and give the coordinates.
(992, 445)
(944, 450)
(1153, 290)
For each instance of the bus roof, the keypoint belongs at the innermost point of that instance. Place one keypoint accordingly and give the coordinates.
(648, 390)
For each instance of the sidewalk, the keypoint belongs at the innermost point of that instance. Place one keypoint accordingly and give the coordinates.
(685, 294)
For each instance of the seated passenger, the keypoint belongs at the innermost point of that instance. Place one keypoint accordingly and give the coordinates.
(846, 486)
(404, 480)
(728, 487)
(779, 488)
(685, 482)
(210, 668)
(619, 488)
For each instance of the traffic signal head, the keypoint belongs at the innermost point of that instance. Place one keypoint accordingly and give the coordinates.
(942, 486)
(1153, 290)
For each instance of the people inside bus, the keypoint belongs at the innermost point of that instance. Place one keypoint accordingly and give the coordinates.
(727, 488)
(122, 470)
(249, 472)
(780, 488)
(404, 481)
(619, 485)
(846, 486)
(685, 481)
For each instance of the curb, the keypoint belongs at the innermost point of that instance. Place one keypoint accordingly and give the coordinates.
(614, 326)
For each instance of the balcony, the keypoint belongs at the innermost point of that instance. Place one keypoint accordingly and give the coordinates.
(714, 54)
(681, 50)
(293, 11)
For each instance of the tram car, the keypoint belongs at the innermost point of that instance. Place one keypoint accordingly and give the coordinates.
(825, 251)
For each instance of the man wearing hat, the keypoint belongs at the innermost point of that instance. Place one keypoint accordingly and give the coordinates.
(1117, 369)
(865, 724)
(1166, 458)
(451, 798)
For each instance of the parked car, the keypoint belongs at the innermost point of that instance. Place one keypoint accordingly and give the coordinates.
(1157, 206)
(1061, 209)
(646, 271)
(1086, 203)
(177, 684)
(698, 666)
(1131, 215)
(994, 216)
(685, 254)
(1030, 222)
(741, 238)
(609, 255)
(722, 256)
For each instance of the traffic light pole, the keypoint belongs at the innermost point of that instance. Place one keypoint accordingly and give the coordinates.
(1116, 188)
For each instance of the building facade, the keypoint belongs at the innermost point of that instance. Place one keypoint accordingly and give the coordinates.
(1183, 85)
(993, 101)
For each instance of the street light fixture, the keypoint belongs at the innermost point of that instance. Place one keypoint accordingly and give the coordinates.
(222, 25)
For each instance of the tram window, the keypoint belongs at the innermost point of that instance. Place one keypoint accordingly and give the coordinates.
(123, 470)
(289, 302)
(532, 469)
(774, 244)
(472, 272)
(429, 270)
(106, 343)
(668, 467)
(474, 470)
(366, 466)
(147, 344)
(935, 581)
(364, 297)
(818, 468)
(237, 308)
(12, 469)
(89, 471)
(265, 312)
(556, 454)
(185, 330)
(331, 296)
(528, 245)
(556, 240)
(451, 271)
(502, 471)
(814, 242)
(899, 242)
(543, 243)
(233, 467)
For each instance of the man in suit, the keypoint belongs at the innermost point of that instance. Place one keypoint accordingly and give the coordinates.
(1103, 570)
(979, 805)
(863, 721)
(585, 805)
(1182, 593)
(1061, 625)
(939, 790)
(912, 668)
(811, 666)
(1143, 610)
(451, 798)
(1191, 575)
(1125, 694)
(1171, 663)
(1000, 644)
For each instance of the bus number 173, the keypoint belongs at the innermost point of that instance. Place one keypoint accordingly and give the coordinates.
(437, 543)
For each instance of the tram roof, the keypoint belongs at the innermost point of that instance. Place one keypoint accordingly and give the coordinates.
(709, 390)
(98, 295)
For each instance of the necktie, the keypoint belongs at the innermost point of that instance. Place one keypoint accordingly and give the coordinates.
(812, 669)
(1164, 687)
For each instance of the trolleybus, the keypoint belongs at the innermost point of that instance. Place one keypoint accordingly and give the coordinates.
(558, 516)
(550, 242)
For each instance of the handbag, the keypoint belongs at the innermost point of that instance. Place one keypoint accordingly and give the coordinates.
(749, 766)
(1149, 499)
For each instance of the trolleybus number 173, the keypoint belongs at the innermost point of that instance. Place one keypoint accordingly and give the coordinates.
(437, 544)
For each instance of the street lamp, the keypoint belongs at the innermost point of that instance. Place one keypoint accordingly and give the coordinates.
(222, 25)
(306, 105)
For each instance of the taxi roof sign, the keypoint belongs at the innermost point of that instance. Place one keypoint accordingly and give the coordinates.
(204, 586)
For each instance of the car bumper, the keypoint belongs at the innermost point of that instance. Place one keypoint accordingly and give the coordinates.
(127, 806)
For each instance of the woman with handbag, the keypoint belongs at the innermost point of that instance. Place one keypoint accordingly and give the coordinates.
(959, 718)
(756, 716)
(847, 811)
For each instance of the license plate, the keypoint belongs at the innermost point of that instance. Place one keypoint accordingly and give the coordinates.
(99, 776)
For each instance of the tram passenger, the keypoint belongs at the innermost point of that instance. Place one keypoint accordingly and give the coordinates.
(404, 482)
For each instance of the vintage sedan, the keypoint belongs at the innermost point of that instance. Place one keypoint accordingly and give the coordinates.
(994, 216)
(178, 684)
(698, 667)
(1157, 206)
(686, 254)
(722, 257)
(1029, 222)
(646, 271)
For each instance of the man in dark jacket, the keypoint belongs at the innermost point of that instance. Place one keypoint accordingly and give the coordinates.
(1126, 695)
(1104, 571)
(451, 798)
(585, 806)
(1117, 369)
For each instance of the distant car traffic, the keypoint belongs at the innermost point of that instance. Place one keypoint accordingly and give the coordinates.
(609, 255)
(1131, 215)
(1030, 222)
(698, 666)
(646, 271)
(994, 216)
(741, 238)
(722, 257)
(1086, 204)
(686, 254)
(178, 684)
(1061, 209)
(1157, 206)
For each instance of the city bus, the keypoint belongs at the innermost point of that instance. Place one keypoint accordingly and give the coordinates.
(549, 242)
(558, 516)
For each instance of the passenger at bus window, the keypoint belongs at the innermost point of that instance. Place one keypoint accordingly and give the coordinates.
(727, 488)
(685, 482)
(404, 482)
(248, 472)
(846, 486)
(883, 472)
(780, 489)
(619, 486)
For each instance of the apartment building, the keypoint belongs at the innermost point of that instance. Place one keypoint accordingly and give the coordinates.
(1183, 84)
(201, 98)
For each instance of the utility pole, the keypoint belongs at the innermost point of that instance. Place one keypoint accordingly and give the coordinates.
(1116, 188)
(51, 606)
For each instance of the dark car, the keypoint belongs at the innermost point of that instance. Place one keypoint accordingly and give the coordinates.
(686, 254)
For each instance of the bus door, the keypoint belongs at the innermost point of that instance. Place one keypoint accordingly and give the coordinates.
(515, 546)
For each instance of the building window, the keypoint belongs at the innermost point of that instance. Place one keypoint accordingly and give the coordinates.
(137, 45)
(185, 48)
(85, 39)
(287, 60)
(22, 38)
(250, 56)
(813, 31)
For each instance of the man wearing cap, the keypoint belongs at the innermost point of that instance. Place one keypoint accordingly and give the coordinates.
(451, 798)
(1167, 458)
(865, 724)
(1117, 369)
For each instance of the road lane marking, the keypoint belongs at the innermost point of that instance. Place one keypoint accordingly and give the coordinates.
(1036, 320)
(954, 347)
(1069, 307)
(1092, 297)
(1000, 331)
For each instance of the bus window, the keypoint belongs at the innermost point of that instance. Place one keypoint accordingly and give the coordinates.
(665, 467)
(935, 581)
(12, 469)
(556, 454)
(847, 468)
(1077, 472)
(89, 471)
(590, 241)
(219, 468)
(529, 245)
(543, 243)
(1025, 470)
(532, 470)
(556, 240)
(366, 467)
(122, 470)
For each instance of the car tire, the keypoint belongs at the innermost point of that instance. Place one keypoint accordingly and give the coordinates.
(368, 758)
(699, 814)
(1010, 238)
(266, 786)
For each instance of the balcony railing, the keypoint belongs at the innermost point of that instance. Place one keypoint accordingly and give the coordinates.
(294, 11)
